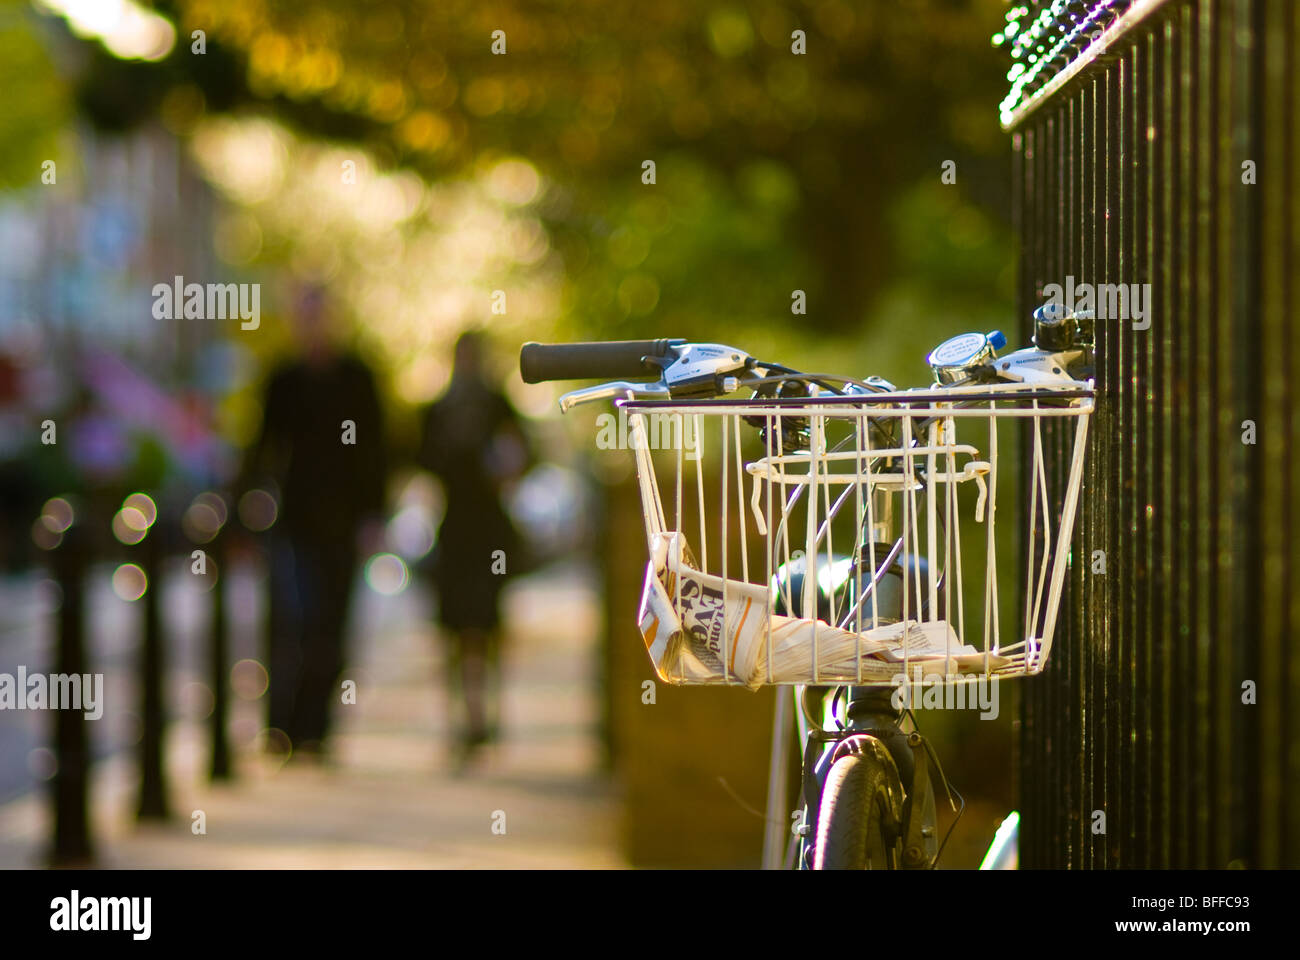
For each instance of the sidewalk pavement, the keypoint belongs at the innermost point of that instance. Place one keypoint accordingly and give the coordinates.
(389, 797)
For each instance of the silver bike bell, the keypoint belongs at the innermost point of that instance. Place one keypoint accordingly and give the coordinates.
(956, 359)
(1053, 327)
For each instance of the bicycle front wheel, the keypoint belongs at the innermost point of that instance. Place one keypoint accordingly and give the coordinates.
(860, 815)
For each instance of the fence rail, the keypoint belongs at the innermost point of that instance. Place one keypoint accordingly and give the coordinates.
(1166, 730)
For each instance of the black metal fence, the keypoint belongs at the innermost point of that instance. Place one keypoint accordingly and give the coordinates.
(1165, 731)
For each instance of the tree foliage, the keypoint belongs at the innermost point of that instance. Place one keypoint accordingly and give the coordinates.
(776, 170)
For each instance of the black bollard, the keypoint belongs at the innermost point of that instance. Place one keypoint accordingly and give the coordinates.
(72, 845)
(220, 651)
(153, 782)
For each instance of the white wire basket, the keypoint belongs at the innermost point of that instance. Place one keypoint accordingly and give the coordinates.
(832, 539)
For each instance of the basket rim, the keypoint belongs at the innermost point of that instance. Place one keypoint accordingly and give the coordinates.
(894, 398)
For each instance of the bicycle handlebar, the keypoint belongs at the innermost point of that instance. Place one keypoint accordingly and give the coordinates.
(675, 369)
(599, 360)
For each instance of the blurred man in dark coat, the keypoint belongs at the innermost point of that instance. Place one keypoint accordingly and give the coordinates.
(474, 443)
(322, 446)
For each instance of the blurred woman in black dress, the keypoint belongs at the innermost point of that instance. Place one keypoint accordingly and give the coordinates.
(474, 442)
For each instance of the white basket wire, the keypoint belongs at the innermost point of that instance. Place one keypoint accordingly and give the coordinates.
(761, 513)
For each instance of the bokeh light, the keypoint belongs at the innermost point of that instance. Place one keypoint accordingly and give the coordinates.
(144, 505)
(203, 582)
(57, 514)
(387, 574)
(514, 181)
(42, 764)
(197, 701)
(130, 582)
(410, 532)
(127, 30)
(43, 536)
(204, 517)
(249, 679)
(257, 510)
(275, 742)
(129, 525)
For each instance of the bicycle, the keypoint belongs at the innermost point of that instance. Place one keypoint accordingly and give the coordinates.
(851, 630)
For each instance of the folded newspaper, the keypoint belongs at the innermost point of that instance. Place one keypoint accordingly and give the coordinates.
(701, 628)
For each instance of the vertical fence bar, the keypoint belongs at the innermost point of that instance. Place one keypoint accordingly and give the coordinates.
(1289, 212)
(1046, 165)
(1242, 660)
(1157, 345)
(1019, 759)
(1278, 121)
(1172, 479)
(1191, 572)
(1205, 308)
(1077, 600)
(72, 845)
(219, 651)
(153, 781)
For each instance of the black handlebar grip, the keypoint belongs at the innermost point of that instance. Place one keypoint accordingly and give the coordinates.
(600, 360)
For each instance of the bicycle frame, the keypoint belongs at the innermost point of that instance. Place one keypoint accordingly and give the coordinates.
(869, 712)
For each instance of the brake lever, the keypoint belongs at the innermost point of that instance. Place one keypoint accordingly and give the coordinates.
(614, 390)
(692, 370)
